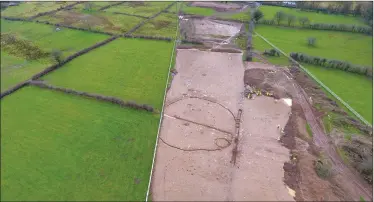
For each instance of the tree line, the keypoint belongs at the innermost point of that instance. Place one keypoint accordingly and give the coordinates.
(281, 18)
(331, 63)
(362, 9)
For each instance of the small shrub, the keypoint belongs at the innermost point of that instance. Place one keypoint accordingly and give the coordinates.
(57, 56)
(257, 15)
(322, 169)
(312, 41)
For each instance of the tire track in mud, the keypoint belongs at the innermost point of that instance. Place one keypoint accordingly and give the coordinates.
(321, 140)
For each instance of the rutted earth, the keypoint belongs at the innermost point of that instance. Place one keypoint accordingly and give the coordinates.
(194, 159)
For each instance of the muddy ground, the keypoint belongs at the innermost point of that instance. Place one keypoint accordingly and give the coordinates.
(209, 30)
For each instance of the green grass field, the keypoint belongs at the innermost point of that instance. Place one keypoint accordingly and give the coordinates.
(16, 69)
(198, 10)
(95, 20)
(351, 47)
(354, 89)
(145, 9)
(64, 147)
(29, 9)
(130, 69)
(269, 12)
(163, 25)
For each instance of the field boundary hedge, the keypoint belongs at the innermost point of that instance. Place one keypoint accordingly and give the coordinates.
(333, 64)
(322, 26)
(147, 20)
(70, 58)
(57, 66)
(111, 5)
(318, 81)
(14, 88)
(54, 11)
(109, 99)
(148, 37)
(139, 16)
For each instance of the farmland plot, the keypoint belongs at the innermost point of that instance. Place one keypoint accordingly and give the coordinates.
(64, 147)
(145, 9)
(29, 9)
(354, 89)
(163, 25)
(93, 5)
(130, 69)
(351, 47)
(16, 67)
(95, 20)
(314, 17)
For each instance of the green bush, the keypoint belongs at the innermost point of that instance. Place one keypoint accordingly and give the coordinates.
(334, 64)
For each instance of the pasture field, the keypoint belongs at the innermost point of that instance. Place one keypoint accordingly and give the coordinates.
(198, 10)
(63, 147)
(16, 68)
(244, 15)
(93, 5)
(163, 25)
(95, 20)
(145, 9)
(356, 90)
(314, 17)
(47, 38)
(29, 9)
(192, 10)
(130, 69)
(352, 47)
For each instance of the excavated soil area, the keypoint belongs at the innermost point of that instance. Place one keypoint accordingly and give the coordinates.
(205, 29)
(214, 144)
(300, 173)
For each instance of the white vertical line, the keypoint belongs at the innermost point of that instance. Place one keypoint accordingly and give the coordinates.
(162, 110)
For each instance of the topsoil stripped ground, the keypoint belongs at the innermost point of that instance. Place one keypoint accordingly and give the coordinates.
(202, 154)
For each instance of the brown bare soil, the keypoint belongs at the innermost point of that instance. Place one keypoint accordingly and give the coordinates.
(345, 184)
(216, 144)
(205, 151)
(209, 30)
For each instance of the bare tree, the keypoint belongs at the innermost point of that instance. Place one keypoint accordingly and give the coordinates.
(291, 19)
(279, 17)
(303, 20)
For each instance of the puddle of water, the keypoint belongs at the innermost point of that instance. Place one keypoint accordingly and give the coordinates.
(287, 101)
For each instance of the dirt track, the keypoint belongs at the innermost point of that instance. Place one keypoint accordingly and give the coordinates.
(194, 160)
